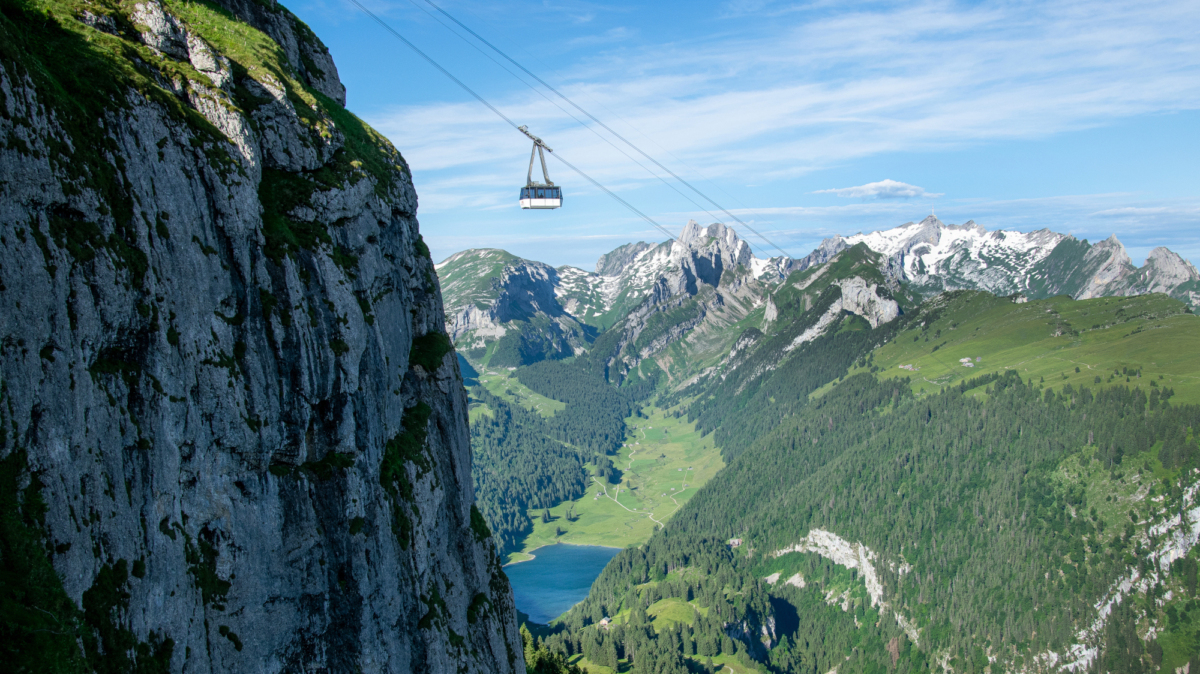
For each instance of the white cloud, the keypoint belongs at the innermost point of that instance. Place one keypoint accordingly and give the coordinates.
(816, 90)
(618, 34)
(884, 189)
(808, 90)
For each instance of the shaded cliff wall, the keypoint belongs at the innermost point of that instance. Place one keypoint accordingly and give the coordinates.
(233, 426)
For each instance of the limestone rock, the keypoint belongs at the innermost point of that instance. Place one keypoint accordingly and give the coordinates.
(862, 298)
(618, 260)
(1114, 265)
(223, 358)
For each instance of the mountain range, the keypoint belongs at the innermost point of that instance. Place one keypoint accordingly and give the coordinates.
(942, 448)
(507, 311)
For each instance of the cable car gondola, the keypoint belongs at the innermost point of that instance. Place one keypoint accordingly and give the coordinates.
(539, 195)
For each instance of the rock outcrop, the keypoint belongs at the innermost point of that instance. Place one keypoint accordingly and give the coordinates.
(232, 419)
(863, 299)
(495, 297)
(1111, 263)
(1164, 272)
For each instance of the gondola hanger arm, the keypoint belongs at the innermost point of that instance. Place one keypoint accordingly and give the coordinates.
(536, 141)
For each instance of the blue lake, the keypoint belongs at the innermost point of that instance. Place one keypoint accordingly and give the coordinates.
(558, 577)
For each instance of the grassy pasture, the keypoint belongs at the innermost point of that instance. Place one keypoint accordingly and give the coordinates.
(663, 462)
(1051, 338)
(670, 611)
(501, 383)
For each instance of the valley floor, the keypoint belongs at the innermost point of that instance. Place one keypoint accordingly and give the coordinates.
(725, 665)
(662, 463)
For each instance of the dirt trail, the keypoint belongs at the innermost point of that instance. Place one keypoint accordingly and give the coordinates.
(614, 500)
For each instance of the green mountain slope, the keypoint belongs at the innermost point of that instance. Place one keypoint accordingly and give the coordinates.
(467, 278)
(893, 523)
(1148, 340)
(910, 485)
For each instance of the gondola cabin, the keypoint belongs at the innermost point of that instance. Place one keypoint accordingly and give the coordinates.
(537, 196)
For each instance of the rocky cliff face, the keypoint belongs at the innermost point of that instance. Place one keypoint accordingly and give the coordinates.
(617, 261)
(704, 284)
(505, 311)
(233, 424)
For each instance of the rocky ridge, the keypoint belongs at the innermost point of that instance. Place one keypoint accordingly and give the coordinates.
(640, 280)
(511, 305)
(231, 413)
(933, 257)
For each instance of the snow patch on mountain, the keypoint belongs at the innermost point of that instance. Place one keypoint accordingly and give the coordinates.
(934, 256)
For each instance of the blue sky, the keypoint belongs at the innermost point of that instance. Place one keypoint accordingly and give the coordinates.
(804, 119)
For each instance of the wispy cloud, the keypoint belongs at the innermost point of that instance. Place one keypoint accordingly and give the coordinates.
(884, 189)
(618, 34)
(819, 85)
(843, 85)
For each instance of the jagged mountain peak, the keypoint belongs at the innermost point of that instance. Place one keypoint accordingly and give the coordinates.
(715, 238)
(1113, 244)
(693, 232)
(1172, 264)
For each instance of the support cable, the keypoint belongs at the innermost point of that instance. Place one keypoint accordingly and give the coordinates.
(501, 115)
(566, 112)
(602, 124)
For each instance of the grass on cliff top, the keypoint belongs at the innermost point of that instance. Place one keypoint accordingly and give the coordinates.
(83, 74)
(1152, 334)
(664, 461)
(255, 54)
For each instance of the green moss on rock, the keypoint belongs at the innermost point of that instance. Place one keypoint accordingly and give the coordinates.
(479, 604)
(328, 466)
(38, 621)
(339, 347)
(201, 556)
(280, 193)
(479, 525)
(408, 446)
(429, 349)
